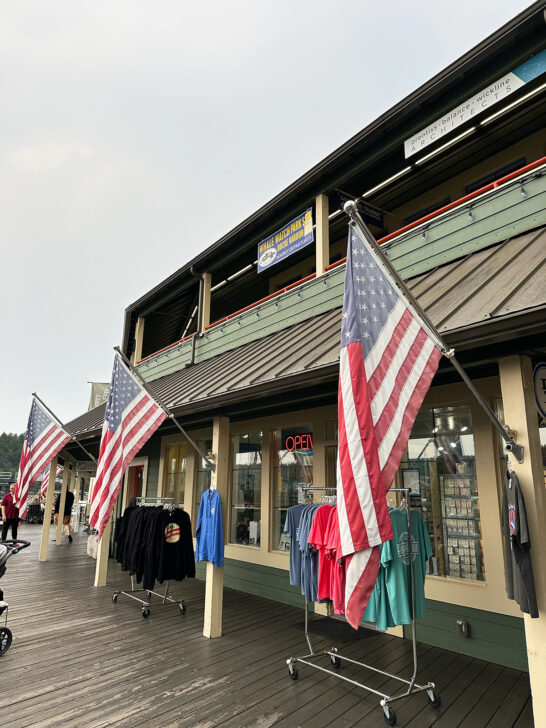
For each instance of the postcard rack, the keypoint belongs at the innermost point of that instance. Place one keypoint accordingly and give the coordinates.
(336, 658)
(165, 598)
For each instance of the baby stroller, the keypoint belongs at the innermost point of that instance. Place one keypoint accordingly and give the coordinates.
(7, 549)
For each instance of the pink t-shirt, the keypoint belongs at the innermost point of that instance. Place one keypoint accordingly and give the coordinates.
(317, 539)
(333, 551)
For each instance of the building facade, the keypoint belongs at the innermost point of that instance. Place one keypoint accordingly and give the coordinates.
(242, 344)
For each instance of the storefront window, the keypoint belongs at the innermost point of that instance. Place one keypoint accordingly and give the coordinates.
(292, 469)
(439, 466)
(246, 487)
(176, 472)
(202, 482)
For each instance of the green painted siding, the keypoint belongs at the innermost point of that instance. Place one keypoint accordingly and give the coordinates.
(262, 581)
(493, 637)
(489, 219)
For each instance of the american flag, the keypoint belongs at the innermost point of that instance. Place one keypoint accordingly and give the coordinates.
(45, 479)
(131, 418)
(44, 438)
(387, 362)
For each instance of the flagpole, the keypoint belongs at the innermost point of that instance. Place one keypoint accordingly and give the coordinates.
(511, 446)
(72, 437)
(167, 411)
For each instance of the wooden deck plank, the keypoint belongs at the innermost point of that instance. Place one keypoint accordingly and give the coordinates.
(78, 659)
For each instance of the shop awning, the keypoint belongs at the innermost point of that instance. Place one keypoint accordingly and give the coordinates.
(491, 295)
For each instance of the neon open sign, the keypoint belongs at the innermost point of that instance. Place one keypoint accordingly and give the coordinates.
(295, 443)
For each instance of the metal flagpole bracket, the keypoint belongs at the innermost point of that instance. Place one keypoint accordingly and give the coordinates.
(165, 409)
(356, 221)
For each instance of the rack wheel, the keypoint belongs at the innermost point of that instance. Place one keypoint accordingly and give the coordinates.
(115, 598)
(293, 672)
(336, 662)
(5, 640)
(145, 613)
(182, 608)
(434, 699)
(390, 717)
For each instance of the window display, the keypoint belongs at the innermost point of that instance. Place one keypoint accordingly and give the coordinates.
(175, 484)
(202, 481)
(246, 488)
(440, 468)
(292, 469)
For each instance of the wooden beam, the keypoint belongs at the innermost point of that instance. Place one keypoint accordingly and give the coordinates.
(520, 414)
(139, 338)
(322, 237)
(214, 588)
(101, 568)
(64, 488)
(48, 509)
(205, 303)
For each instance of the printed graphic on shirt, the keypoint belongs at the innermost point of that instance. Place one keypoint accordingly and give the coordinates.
(512, 517)
(403, 548)
(212, 510)
(172, 533)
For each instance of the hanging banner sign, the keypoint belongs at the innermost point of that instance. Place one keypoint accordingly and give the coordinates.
(99, 394)
(539, 377)
(486, 98)
(292, 237)
(370, 214)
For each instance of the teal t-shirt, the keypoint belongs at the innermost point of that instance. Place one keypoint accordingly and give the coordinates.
(395, 556)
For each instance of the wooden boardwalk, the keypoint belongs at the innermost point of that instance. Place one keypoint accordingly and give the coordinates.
(80, 661)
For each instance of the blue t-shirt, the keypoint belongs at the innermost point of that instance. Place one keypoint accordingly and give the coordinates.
(291, 527)
(209, 532)
(395, 555)
(309, 556)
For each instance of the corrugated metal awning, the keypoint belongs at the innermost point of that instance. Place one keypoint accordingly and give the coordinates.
(487, 287)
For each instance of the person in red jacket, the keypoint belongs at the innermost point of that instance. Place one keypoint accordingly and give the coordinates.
(10, 514)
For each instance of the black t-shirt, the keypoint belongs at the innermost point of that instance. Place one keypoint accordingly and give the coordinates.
(69, 502)
(520, 584)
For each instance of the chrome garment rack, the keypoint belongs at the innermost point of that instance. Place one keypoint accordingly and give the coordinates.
(165, 598)
(336, 658)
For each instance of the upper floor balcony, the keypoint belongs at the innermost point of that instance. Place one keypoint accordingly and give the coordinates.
(447, 257)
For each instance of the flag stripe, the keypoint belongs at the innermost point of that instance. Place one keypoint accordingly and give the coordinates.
(131, 418)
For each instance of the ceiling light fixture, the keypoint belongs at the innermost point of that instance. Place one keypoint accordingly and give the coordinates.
(386, 182)
(519, 101)
(446, 145)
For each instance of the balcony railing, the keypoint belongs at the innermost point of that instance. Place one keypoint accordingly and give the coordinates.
(503, 209)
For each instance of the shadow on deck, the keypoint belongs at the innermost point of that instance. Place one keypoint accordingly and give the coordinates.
(79, 660)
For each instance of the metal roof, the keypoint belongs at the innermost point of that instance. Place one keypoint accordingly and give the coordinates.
(504, 284)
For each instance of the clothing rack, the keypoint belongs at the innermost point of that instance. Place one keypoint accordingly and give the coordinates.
(335, 658)
(165, 598)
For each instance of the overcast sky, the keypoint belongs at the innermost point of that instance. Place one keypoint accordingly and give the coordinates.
(134, 134)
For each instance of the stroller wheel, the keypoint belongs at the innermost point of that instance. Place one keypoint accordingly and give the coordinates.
(5, 640)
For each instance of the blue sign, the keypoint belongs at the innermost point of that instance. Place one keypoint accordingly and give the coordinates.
(292, 237)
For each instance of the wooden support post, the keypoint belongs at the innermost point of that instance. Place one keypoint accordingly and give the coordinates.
(64, 488)
(50, 495)
(205, 304)
(101, 568)
(139, 337)
(322, 238)
(214, 589)
(520, 413)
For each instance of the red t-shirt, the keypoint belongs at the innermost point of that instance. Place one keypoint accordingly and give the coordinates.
(317, 538)
(333, 551)
(8, 501)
